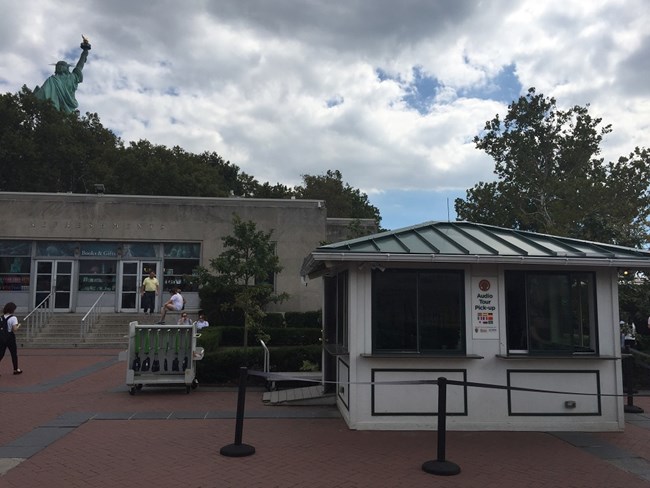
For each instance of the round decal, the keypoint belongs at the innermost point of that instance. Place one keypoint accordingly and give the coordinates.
(484, 285)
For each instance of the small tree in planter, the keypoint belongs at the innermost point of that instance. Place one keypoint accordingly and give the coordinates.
(244, 267)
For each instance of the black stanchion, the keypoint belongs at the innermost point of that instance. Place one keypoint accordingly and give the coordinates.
(628, 384)
(441, 466)
(238, 449)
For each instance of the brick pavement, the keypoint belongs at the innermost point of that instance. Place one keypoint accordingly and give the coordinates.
(75, 424)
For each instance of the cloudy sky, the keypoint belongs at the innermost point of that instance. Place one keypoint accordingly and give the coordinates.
(389, 92)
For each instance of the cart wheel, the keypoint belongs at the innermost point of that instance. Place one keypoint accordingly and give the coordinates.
(139, 386)
(132, 390)
(187, 389)
(195, 384)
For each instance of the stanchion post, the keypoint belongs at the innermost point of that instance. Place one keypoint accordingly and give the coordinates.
(441, 466)
(628, 383)
(238, 449)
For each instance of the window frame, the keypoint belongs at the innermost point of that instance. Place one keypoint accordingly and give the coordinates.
(565, 313)
(335, 327)
(420, 315)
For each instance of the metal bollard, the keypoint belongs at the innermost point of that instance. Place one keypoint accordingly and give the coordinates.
(628, 382)
(237, 449)
(441, 466)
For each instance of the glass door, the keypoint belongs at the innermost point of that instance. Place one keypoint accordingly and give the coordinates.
(54, 277)
(131, 275)
(129, 286)
(146, 267)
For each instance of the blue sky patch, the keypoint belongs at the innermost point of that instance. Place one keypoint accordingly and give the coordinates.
(334, 101)
(402, 208)
(504, 87)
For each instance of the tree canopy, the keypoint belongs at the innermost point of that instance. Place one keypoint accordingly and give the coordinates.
(342, 200)
(45, 150)
(550, 177)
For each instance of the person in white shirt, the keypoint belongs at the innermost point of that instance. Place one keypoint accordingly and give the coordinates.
(176, 303)
(201, 323)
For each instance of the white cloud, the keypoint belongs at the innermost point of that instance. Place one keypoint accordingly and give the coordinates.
(286, 88)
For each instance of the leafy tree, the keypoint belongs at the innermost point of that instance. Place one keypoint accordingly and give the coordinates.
(341, 199)
(243, 268)
(551, 180)
(45, 150)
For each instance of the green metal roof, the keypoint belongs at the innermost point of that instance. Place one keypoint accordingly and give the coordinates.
(471, 242)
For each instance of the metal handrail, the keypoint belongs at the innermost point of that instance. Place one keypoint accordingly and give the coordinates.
(267, 360)
(90, 318)
(42, 312)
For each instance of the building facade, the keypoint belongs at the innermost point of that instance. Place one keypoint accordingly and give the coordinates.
(80, 247)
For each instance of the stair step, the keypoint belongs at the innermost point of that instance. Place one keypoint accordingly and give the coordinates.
(63, 331)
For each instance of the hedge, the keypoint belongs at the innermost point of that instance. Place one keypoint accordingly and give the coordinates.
(273, 320)
(223, 366)
(234, 336)
(303, 319)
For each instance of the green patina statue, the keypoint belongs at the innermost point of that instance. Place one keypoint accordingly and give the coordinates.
(60, 88)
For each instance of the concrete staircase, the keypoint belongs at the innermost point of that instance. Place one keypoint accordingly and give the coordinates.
(63, 331)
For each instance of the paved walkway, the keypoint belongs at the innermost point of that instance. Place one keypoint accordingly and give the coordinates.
(69, 421)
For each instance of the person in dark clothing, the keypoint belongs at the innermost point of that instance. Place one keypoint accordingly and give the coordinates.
(8, 335)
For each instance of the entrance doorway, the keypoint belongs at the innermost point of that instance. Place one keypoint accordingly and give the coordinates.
(54, 277)
(131, 275)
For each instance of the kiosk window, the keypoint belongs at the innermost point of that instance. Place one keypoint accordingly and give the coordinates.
(550, 312)
(418, 311)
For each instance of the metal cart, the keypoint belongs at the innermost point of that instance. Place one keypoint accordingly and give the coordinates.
(162, 355)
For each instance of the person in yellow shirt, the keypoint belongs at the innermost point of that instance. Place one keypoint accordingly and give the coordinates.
(150, 288)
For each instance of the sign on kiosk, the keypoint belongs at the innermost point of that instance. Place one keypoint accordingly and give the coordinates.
(485, 308)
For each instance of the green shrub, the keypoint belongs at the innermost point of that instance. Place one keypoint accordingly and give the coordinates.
(212, 304)
(293, 337)
(234, 336)
(210, 338)
(292, 358)
(223, 365)
(303, 319)
(273, 320)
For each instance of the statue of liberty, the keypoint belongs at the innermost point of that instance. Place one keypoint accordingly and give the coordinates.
(60, 88)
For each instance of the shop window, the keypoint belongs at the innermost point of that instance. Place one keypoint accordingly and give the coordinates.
(97, 275)
(336, 311)
(550, 312)
(57, 249)
(180, 265)
(139, 250)
(15, 265)
(418, 311)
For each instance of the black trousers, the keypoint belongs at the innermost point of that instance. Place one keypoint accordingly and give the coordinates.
(149, 301)
(10, 343)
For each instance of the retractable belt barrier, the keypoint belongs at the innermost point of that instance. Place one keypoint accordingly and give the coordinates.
(439, 466)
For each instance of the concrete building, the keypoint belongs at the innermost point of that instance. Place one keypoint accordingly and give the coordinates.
(479, 304)
(78, 246)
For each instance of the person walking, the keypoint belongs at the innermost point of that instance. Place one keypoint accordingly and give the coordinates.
(150, 289)
(8, 327)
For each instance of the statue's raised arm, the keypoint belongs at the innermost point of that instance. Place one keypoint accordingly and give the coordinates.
(60, 88)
